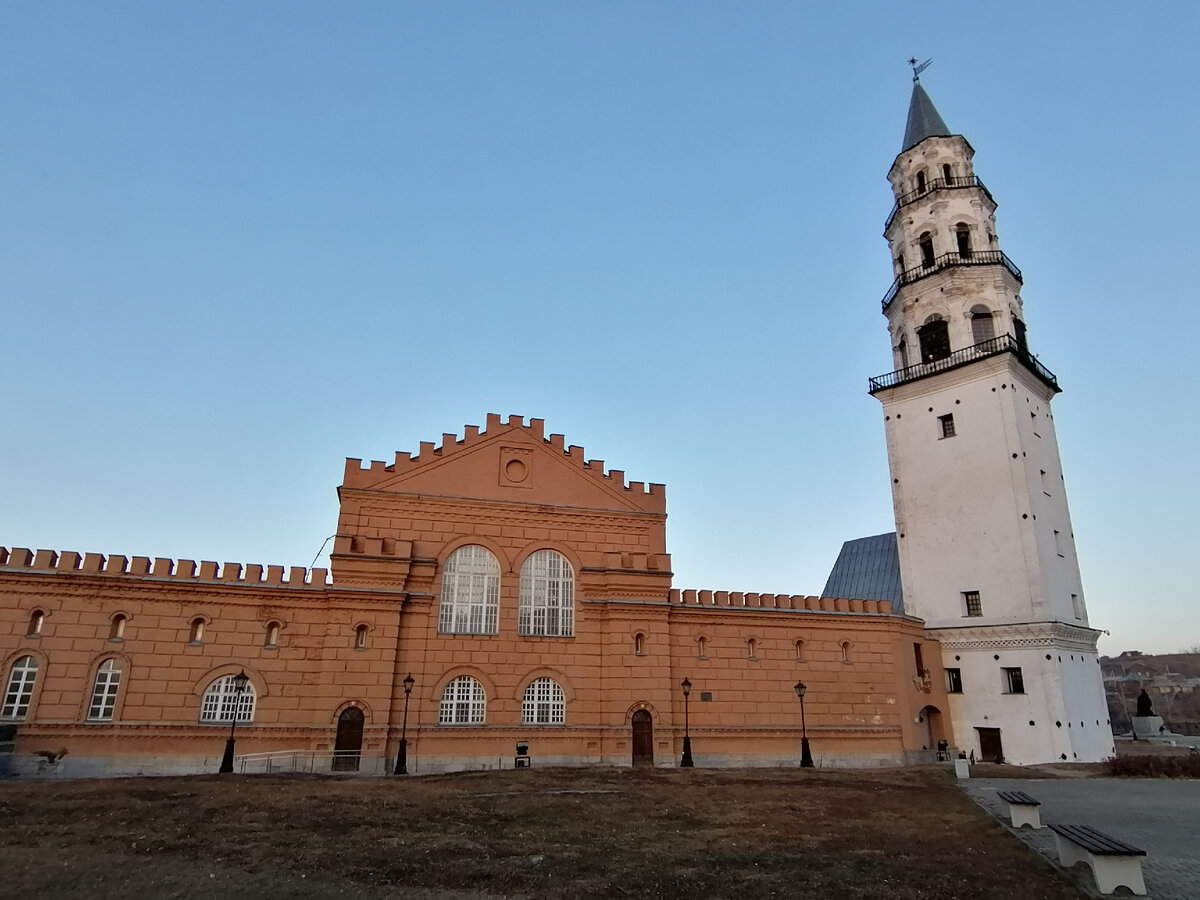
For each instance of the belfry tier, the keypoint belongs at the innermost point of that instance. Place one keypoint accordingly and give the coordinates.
(956, 295)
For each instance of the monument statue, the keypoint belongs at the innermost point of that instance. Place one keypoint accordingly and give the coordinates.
(1144, 707)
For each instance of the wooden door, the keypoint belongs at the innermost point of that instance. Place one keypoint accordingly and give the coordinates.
(990, 749)
(348, 745)
(643, 738)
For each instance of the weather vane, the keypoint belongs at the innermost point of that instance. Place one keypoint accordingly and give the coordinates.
(918, 69)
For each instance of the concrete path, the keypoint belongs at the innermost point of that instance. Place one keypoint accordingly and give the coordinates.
(1162, 816)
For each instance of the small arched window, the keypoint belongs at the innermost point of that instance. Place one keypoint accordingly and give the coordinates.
(116, 628)
(934, 336)
(547, 602)
(702, 647)
(196, 631)
(845, 648)
(926, 244)
(272, 638)
(37, 619)
(752, 648)
(962, 234)
(800, 650)
(544, 703)
(1022, 340)
(470, 602)
(899, 263)
(18, 693)
(947, 173)
(902, 353)
(104, 691)
(222, 702)
(921, 181)
(360, 637)
(463, 702)
(982, 324)
(639, 643)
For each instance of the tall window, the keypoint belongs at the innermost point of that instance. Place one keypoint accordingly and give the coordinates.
(1077, 605)
(800, 650)
(221, 702)
(19, 692)
(547, 595)
(272, 639)
(702, 647)
(470, 592)
(972, 602)
(544, 703)
(934, 336)
(947, 172)
(983, 327)
(926, 245)
(116, 628)
(919, 659)
(962, 234)
(196, 631)
(902, 349)
(946, 426)
(921, 182)
(360, 637)
(104, 691)
(463, 702)
(1014, 681)
(752, 648)
(36, 620)
(639, 643)
(954, 681)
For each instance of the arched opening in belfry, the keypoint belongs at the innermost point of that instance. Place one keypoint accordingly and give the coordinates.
(921, 182)
(962, 234)
(926, 244)
(983, 326)
(935, 339)
(902, 353)
(947, 172)
(1022, 340)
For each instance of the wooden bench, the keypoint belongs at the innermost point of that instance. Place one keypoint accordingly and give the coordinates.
(1113, 863)
(1022, 809)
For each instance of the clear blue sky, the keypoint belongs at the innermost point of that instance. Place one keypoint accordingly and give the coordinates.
(240, 242)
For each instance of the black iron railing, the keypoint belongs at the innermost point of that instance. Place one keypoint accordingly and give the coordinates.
(936, 184)
(1006, 343)
(949, 261)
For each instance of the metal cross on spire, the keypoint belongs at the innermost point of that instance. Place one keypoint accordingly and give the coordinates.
(918, 69)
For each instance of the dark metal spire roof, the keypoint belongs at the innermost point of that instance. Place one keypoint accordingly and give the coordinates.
(868, 569)
(923, 119)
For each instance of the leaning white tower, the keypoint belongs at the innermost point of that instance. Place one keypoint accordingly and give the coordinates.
(987, 555)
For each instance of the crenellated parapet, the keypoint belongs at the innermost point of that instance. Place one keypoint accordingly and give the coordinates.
(359, 476)
(70, 562)
(797, 602)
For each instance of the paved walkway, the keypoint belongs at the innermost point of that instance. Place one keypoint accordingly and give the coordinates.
(1162, 816)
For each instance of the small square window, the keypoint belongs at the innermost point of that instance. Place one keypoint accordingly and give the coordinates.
(1014, 681)
(973, 603)
(946, 424)
(954, 681)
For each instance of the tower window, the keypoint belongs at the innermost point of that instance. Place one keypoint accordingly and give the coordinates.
(1022, 340)
(972, 603)
(962, 234)
(1077, 605)
(934, 336)
(902, 350)
(1058, 544)
(954, 681)
(1014, 681)
(946, 424)
(921, 182)
(983, 326)
(926, 244)
(946, 173)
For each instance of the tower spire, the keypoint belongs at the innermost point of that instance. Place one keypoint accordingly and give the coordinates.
(923, 118)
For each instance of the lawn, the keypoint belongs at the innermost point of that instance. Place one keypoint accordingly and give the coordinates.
(553, 833)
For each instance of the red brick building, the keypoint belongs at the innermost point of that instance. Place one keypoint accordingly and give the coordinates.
(525, 589)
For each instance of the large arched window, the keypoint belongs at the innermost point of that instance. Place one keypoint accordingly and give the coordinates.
(222, 702)
(934, 336)
(104, 691)
(544, 703)
(983, 327)
(463, 702)
(547, 604)
(962, 235)
(470, 592)
(925, 242)
(19, 692)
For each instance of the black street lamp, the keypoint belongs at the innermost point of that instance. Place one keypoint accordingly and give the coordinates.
(686, 762)
(240, 680)
(805, 754)
(402, 759)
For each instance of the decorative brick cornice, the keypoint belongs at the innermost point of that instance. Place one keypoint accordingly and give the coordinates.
(1016, 637)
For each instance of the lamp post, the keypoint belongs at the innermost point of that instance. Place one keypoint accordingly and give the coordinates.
(805, 754)
(686, 762)
(402, 758)
(240, 680)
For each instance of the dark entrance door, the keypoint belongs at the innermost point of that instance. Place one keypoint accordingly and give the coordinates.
(348, 745)
(989, 745)
(643, 738)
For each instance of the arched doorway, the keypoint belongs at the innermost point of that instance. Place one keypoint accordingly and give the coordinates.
(348, 746)
(930, 731)
(643, 738)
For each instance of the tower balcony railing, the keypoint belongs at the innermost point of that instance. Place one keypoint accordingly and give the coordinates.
(936, 184)
(1006, 343)
(950, 261)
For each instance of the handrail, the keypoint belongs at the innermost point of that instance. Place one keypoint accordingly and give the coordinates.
(936, 184)
(949, 261)
(1006, 343)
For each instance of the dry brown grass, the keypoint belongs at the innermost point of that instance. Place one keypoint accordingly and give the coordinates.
(578, 833)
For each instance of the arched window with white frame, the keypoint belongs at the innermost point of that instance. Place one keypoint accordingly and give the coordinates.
(544, 703)
(463, 702)
(547, 604)
(222, 702)
(104, 691)
(470, 602)
(18, 694)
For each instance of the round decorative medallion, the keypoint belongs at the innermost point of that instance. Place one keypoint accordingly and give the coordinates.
(516, 471)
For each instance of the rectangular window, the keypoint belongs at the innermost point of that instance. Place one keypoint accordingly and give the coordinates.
(1045, 484)
(954, 681)
(1077, 605)
(919, 660)
(946, 424)
(1014, 683)
(972, 602)
(1058, 545)
(104, 693)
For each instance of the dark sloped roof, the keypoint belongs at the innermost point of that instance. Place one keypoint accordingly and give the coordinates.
(868, 569)
(923, 119)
